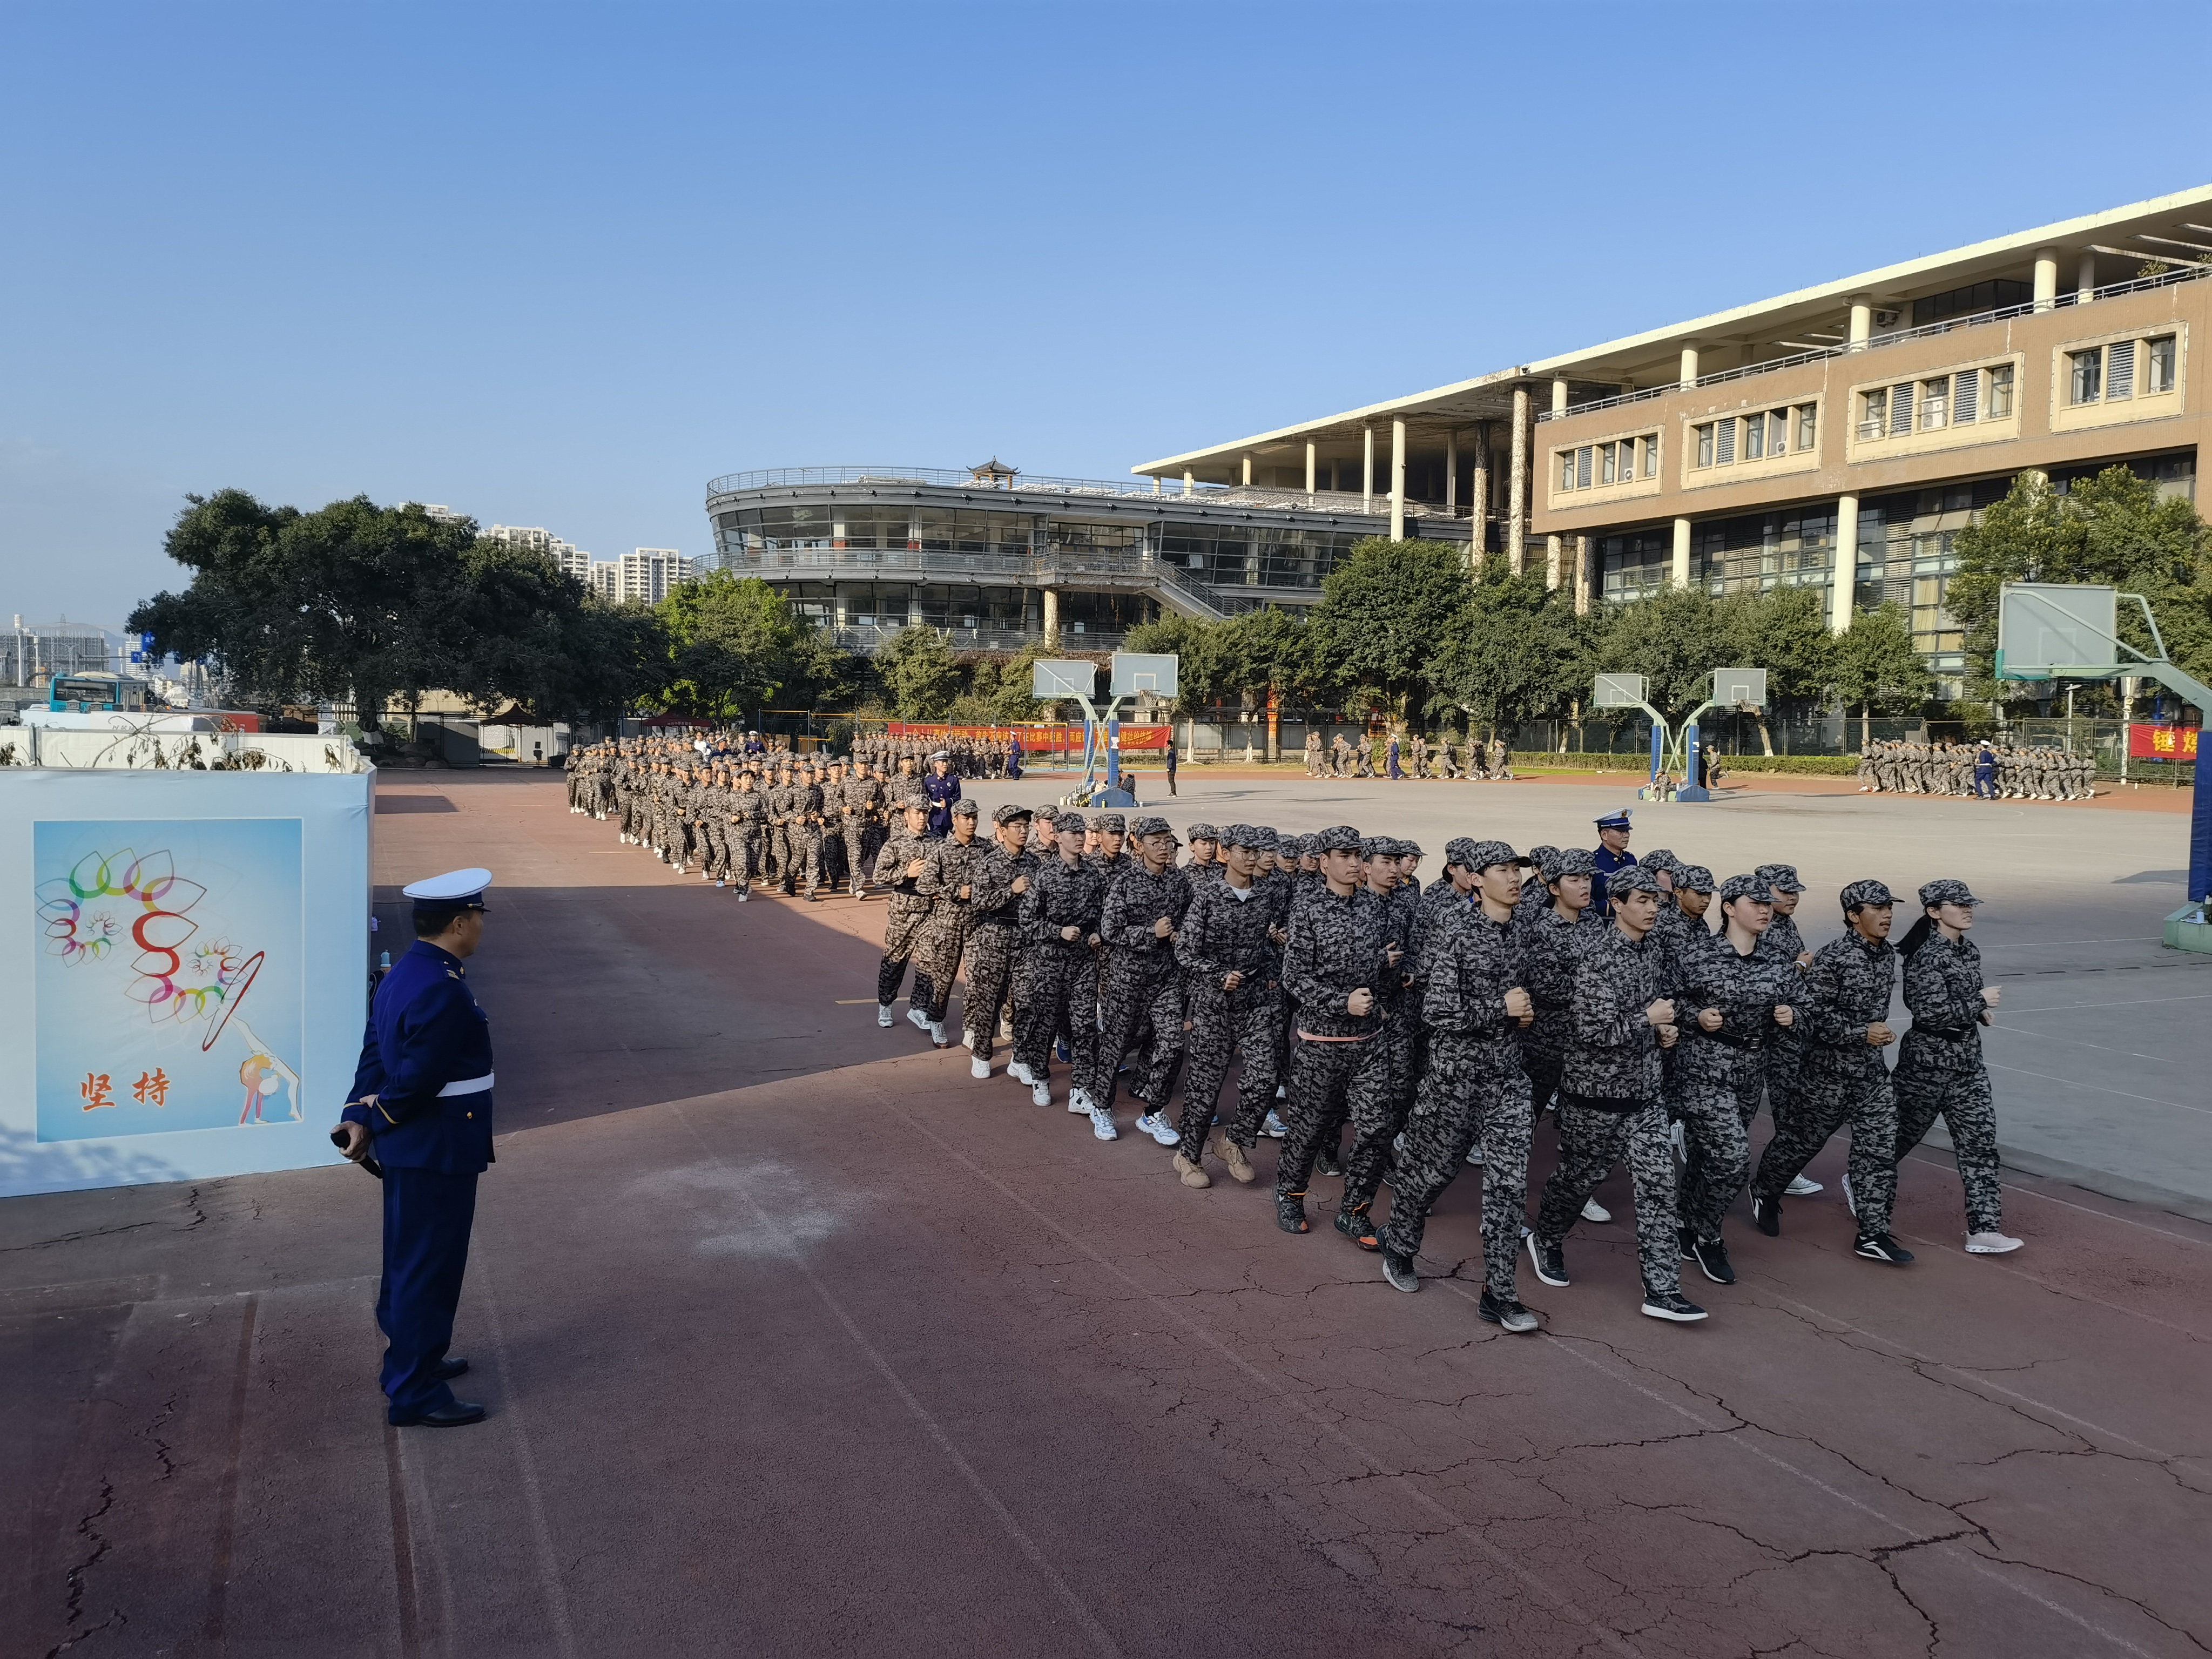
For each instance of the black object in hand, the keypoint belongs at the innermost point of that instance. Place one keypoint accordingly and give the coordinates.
(370, 1163)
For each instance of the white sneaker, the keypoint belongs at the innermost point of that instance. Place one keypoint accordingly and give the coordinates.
(1594, 1211)
(1102, 1124)
(1398, 1145)
(1990, 1244)
(1078, 1102)
(920, 1020)
(1158, 1128)
(1475, 1155)
(1849, 1203)
(1019, 1072)
(1040, 1094)
(1800, 1187)
(936, 1034)
(967, 1041)
(1675, 1139)
(1274, 1127)
(884, 1015)
(979, 1069)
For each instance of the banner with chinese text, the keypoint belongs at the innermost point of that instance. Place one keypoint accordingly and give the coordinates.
(2169, 743)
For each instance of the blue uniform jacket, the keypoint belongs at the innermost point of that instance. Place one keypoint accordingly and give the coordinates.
(1606, 861)
(425, 1031)
(942, 792)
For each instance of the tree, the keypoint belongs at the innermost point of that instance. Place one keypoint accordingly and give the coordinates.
(2114, 529)
(1876, 667)
(1385, 610)
(918, 668)
(1519, 654)
(1675, 639)
(734, 645)
(1783, 630)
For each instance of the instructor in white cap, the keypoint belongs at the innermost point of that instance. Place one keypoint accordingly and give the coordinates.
(420, 1115)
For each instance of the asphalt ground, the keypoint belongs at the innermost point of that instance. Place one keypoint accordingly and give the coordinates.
(798, 1340)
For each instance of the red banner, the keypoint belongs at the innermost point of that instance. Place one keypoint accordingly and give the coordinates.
(2167, 743)
(1034, 738)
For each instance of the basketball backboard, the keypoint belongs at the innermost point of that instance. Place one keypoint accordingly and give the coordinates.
(1739, 688)
(1619, 691)
(1136, 671)
(1062, 677)
(2046, 625)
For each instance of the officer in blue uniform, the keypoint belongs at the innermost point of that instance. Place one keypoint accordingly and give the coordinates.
(420, 1106)
(1612, 854)
(943, 787)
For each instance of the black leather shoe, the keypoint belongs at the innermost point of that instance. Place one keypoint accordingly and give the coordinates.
(457, 1415)
(449, 1367)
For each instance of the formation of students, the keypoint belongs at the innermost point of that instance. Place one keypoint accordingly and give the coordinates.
(1411, 756)
(1650, 1009)
(1990, 771)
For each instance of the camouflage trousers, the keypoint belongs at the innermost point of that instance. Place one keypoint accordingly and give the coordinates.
(1055, 996)
(717, 836)
(1330, 1082)
(854, 832)
(1473, 1088)
(1132, 995)
(1715, 1099)
(745, 853)
(1962, 1100)
(1372, 1137)
(1828, 1096)
(806, 854)
(779, 855)
(902, 930)
(1590, 1142)
(1251, 1018)
(943, 944)
(1785, 1057)
(990, 980)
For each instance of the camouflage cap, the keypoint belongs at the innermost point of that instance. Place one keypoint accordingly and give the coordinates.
(966, 808)
(1377, 847)
(1411, 849)
(1694, 877)
(1543, 855)
(1459, 850)
(1569, 861)
(1011, 813)
(1660, 858)
(1153, 826)
(1205, 832)
(1947, 890)
(1484, 853)
(1867, 892)
(1781, 877)
(1070, 821)
(1113, 821)
(1242, 835)
(1340, 838)
(1745, 887)
(1634, 879)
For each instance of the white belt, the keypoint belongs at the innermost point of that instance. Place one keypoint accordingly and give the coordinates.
(474, 1085)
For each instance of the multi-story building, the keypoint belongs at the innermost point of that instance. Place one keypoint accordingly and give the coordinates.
(645, 577)
(573, 560)
(1876, 414)
(999, 561)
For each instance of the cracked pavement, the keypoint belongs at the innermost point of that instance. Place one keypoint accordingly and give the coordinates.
(848, 1353)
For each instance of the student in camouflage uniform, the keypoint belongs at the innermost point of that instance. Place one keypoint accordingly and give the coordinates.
(948, 881)
(806, 831)
(900, 865)
(1610, 1105)
(1056, 977)
(1001, 881)
(1341, 954)
(1144, 907)
(858, 801)
(1786, 945)
(745, 834)
(1226, 948)
(1204, 863)
(1846, 1002)
(1939, 1070)
(1734, 996)
(1473, 1087)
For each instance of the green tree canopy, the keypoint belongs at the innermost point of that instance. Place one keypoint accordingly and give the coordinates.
(1520, 652)
(735, 645)
(918, 668)
(1876, 668)
(1675, 639)
(1385, 611)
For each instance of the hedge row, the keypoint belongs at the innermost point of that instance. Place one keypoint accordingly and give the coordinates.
(1636, 766)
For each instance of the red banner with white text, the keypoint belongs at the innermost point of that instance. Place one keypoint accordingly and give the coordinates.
(2167, 743)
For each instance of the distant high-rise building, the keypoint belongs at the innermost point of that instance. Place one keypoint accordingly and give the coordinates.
(573, 560)
(645, 577)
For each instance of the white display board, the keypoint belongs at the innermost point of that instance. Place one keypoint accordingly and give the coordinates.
(184, 965)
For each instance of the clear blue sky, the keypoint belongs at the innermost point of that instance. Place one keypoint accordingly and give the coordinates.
(559, 265)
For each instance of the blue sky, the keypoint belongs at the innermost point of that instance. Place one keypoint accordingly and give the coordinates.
(559, 265)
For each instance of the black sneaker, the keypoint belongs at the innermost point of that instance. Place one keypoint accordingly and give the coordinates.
(1291, 1211)
(1551, 1261)
(1359, 1227)
(1766, 1214)
(1711, 1256)
(1399, 1270)
(1326, 1163)
(1686, 1242)
(1672, 1305)
(1881, 1247)
(1508, 1313)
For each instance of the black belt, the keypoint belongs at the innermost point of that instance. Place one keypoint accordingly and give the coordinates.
(1753, 1044)
(1957, 1034)
(1619, 1105)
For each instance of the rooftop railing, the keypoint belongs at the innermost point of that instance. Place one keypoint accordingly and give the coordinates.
(1339, 501)
(1925, 331)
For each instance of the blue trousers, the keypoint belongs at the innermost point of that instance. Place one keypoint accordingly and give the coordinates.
(427, 1216)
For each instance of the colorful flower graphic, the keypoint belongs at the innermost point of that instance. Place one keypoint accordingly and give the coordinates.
(172, 984)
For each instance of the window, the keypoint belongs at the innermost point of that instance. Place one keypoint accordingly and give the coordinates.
(1650, 446)
(2088, 374)
(1724, 433)
(1605, 462)
(1777, 431)
(2000, 397)
(2158, 361)
(1583, 467)
(1567, 469)
(1706, 444)
(1873, 413)
(1900, 408)
(1808, 426)
(1934, 404)
(1965, 396)
(2119, 370)
(1755, 437)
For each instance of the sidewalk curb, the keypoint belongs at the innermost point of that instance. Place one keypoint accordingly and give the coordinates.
(2195, 1207)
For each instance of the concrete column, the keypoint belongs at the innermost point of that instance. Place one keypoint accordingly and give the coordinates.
(1051, 613)
(1846, 568)
(1681, 552)
(1367, 469)
(1517, 483)
(1861, 322)
(2046, 278)
(1397, 481)
(1559, 394)
(2085, 278)
(1451, 471)
(1189, 482)
(1479, 502)
(1156, 485)
(1583, 576)
(1247, 472)
(1689, 363)
(1555, 553)
(1312, 461)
